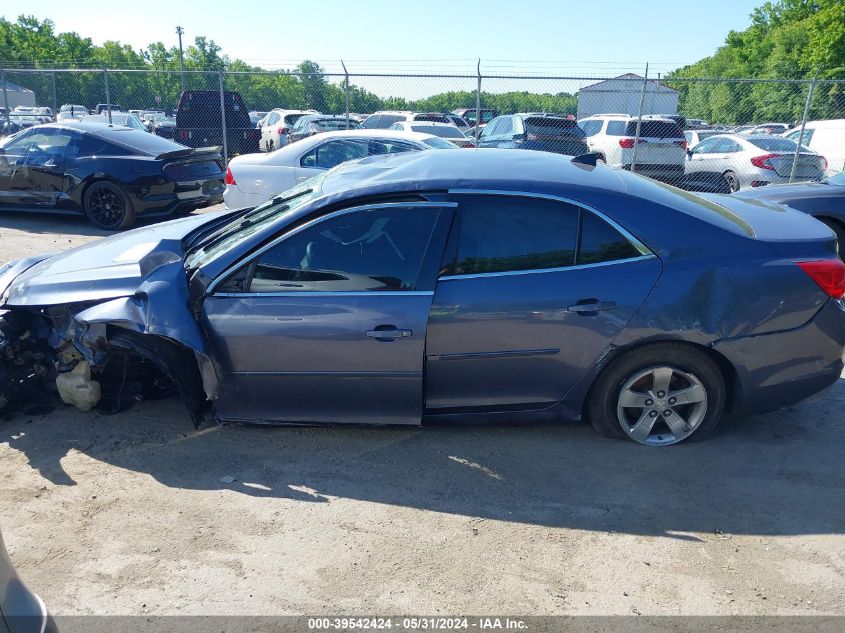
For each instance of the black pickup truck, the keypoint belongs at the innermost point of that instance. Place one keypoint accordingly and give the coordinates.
(199, 122)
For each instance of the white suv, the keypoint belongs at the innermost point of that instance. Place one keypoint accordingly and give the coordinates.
(661, 150)
(276, 125)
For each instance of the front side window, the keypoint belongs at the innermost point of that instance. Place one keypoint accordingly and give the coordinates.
(368, 250)
(334, 153)
(706, 146)
(41, 147)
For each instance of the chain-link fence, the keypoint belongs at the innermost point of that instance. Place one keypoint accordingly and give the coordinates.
(701, 134)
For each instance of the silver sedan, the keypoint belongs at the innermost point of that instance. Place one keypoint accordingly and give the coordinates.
(755, 160)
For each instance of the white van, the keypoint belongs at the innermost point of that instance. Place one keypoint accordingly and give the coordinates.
(826, 138)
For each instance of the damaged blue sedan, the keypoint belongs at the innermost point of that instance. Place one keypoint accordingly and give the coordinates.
(497, 283)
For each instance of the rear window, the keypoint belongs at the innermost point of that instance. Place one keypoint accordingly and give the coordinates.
(549, 126)
(437, 118)
(654, 129)
(774, 144)
(381, 121)
(439, 143)
(290, 119)
(438, 130)
(140, 140)
(329, 125)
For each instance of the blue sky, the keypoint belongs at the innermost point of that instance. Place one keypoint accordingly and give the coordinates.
(577, 38)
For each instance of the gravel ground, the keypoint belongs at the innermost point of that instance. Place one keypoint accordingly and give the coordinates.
(137, 513)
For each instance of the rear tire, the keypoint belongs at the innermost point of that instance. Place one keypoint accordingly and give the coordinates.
(732, 180)
(658, 395)
(108, 206)
(839, 230)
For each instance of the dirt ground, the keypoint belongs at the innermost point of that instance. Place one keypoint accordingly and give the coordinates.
(132, 513)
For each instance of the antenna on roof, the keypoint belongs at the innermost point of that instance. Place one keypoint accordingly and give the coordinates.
(586, 159)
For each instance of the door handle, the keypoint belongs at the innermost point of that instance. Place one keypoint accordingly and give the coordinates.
(592, 308)
(387, 335)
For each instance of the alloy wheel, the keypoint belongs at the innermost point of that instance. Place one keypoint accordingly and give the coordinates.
(661, 405)
(106, 205)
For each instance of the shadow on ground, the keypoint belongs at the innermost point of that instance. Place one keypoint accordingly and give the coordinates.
(776, 474)
(41, 223)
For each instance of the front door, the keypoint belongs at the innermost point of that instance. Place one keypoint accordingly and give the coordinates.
(32, 168)
(328, 323)
(532, 292)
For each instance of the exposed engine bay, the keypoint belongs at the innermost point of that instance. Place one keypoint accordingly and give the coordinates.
(90, 365)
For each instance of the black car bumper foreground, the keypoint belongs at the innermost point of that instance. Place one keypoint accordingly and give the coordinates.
(178, 197)
(772, 377)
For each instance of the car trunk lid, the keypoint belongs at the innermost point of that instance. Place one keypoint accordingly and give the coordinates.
(791, 233)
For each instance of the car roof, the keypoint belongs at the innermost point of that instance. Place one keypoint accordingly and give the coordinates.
(373, 133)
(434, 123)
(508, 169)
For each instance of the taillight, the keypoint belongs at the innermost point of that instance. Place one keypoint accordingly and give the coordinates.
(824, 165)
(230, 179)
(628, 143)
(282, 130)
(682, 144)
(829, 274)
(763, 161)
(470, 144)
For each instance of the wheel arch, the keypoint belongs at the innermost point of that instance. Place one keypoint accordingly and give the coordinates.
(733, 385)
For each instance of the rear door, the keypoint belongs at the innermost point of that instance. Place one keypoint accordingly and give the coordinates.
(531, 293)
(328, 323)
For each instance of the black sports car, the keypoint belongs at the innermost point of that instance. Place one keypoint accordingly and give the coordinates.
(112, 174)
(823, 200)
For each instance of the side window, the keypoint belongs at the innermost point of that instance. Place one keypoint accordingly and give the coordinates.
(616, 128)
(492, 128)
(89, 145)
(42, 147)
(334, 153)
(372, 250)
(794, 136)
(591, 128)
(502, 234)
(505, 127)
(705, 147)
(600, 242)
(389, 146)
(722, 146)
(274, 118)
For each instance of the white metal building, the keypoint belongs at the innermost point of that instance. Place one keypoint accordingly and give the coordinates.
(16, 95)
(621, 95)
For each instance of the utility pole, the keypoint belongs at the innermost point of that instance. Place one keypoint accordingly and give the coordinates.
(179, 32)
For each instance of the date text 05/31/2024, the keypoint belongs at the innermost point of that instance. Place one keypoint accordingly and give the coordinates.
(417, 624)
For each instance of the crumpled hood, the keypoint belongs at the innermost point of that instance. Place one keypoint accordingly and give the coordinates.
(104, 269)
